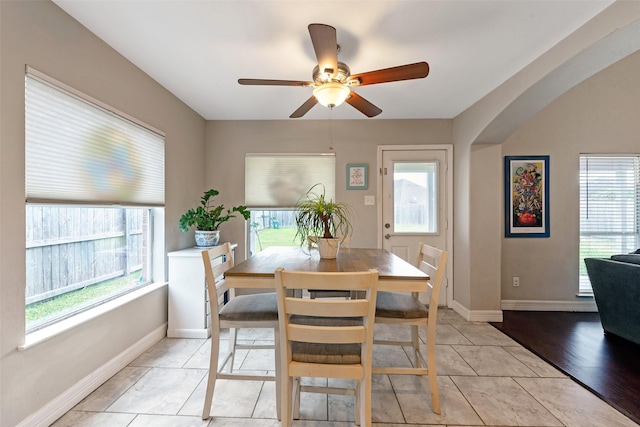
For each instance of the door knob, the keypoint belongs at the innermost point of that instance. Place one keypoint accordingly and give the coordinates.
(387, 236)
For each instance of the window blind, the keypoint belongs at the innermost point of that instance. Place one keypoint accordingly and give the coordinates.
(609, 208)
(79, 151)
(278, 180)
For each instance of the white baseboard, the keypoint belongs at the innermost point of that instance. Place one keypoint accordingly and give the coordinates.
(189, 333)
(59, 406)
(532, 305)
(477, 315)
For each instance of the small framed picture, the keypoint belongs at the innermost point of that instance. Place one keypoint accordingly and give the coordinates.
(357, 176)
(526, 196)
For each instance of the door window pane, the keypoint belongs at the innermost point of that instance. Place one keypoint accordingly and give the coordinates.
(415, 197)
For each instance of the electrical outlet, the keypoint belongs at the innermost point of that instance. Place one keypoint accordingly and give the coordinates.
(516, 281)
(369, 200)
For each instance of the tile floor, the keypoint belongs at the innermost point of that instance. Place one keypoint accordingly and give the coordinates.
(486, 379)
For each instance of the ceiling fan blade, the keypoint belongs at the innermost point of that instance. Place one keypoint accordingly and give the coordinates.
(325, 43)
(304, 108)
(267, 82)
(418, 70)
(362, 105)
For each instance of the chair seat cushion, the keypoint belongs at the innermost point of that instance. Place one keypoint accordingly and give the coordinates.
(333, 354)
(256, 307)
(400, 306)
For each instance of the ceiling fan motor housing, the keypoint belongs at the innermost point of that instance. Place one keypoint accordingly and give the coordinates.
(324, 76)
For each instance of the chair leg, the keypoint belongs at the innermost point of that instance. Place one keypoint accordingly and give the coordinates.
(433, 388)
(365, 401)
(276, 341)
(415, 339)
(296, 398)
(211, 379)
(233, 337)
(359, 404)
(286, 400)
(431, 365)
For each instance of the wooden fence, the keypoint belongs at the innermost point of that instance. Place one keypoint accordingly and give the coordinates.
(406, 214)
(69, 248)
(265, 219)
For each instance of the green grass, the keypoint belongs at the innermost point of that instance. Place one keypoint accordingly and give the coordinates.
(283, 236)
(40, 312)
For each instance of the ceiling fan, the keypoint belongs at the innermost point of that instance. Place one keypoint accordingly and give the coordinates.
(332, 80)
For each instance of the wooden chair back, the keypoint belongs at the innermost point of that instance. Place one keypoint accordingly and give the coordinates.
(313, 333)
(217, 261)
(429, 260)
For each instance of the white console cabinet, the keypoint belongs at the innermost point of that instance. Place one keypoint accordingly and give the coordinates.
(189, 311)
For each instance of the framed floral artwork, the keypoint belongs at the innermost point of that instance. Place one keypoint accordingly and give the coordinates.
(526, 196)
(357, 176)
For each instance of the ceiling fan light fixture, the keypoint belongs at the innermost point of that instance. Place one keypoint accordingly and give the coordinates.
(331, 94)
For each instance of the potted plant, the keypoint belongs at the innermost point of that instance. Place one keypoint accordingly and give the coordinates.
(323, 222)
(207, 218)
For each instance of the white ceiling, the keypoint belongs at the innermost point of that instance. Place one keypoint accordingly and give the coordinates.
(198, 49)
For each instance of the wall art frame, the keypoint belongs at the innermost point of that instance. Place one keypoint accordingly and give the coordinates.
(357, 176)
(526, 196)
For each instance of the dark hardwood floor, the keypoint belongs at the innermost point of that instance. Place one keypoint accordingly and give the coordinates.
(575, 343)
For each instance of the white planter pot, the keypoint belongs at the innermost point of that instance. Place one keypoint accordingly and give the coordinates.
(328, 248)
(207, 239)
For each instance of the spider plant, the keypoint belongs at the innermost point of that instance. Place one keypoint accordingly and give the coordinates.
(318, 216)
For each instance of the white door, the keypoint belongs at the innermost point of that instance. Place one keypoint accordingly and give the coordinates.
(414, 202)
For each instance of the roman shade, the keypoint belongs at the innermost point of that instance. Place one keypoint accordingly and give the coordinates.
(278, 180)
(80, 151)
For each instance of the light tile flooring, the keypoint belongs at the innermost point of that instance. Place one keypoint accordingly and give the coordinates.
(485, 379)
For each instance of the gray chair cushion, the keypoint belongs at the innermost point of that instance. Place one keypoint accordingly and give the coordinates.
(400, 306)
(334, 354)
(251, 308)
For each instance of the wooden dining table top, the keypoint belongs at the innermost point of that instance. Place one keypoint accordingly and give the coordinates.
(394, 273)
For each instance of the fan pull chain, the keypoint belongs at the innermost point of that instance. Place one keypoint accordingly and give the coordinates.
(331, 129)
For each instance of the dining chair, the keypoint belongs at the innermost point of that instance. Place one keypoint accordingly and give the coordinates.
(243, 311)
(405, 309)
(326, 338)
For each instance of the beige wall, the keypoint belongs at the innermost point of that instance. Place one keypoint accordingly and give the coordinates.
(485, 172)
(39, 34)
(604, 40)
(600, 115)
(354, 141)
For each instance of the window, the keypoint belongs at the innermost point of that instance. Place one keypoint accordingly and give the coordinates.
(273, 185)
(79, 257)
(415, 197)
(94, 177)
(609, 208)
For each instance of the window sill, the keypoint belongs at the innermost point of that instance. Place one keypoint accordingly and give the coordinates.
(585, 294)
(58, 328)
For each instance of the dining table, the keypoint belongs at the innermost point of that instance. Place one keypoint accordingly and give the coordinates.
(394, 273)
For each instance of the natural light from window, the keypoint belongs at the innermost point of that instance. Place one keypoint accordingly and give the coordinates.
(78, 257)
(609, 209)
(93, 178)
